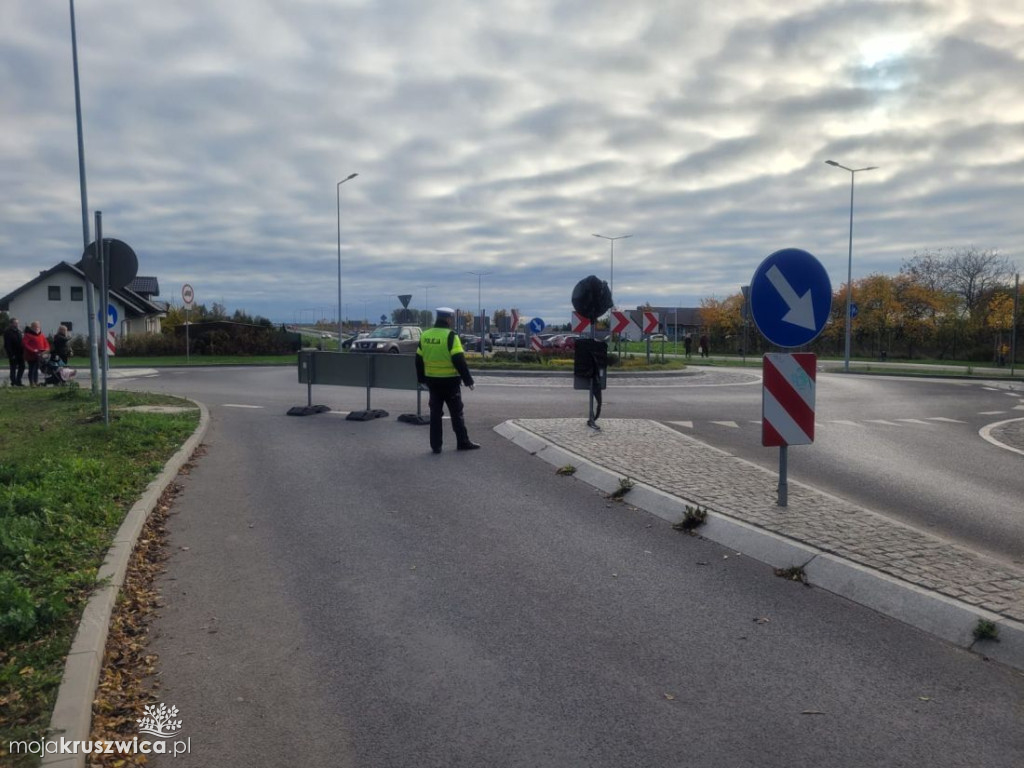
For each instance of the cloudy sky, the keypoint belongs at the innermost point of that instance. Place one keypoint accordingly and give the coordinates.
(498, 137)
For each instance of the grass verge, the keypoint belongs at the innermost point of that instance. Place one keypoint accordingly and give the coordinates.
(66, 483)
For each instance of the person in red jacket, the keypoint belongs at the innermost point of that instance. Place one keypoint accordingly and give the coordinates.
(34, 341)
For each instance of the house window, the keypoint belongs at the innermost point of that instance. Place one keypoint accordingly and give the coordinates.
(77, 293)
(53, 292)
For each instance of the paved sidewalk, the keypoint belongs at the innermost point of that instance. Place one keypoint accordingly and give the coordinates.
(911, 575)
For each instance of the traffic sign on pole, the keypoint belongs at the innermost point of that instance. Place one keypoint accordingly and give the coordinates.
(787, 403)
(187, 295)
(651, 322)
(111, 343)
(579, 323)
(536, 325)
(623, 325)
(790, 297)
(515, 320)
(536, 343)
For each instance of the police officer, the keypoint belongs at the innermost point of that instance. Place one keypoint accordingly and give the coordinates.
(441, 365)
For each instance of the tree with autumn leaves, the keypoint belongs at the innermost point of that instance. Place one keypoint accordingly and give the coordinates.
(955, 304)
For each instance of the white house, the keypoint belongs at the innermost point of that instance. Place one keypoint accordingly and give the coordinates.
(57, 297)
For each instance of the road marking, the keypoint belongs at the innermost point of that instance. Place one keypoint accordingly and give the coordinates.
(238, 405)
(990, 413)
(730, 424)
(913, 421)
(1018, 407)
(883, 421)
(943, 418)
(341, 413)
(844, 422)
(986, 434)
(687, 424)
(991, 389)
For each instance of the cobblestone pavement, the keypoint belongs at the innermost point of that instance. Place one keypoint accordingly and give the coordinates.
(671, 462)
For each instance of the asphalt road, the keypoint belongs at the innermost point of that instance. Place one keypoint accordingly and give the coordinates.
(338, 595)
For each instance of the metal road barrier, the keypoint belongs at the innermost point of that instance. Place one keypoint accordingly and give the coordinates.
(347, 369)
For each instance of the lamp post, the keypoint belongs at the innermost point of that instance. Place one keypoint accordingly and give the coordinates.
(479, 311)
(611, 242)
(337, 189)
(849, 259)
(426, 296)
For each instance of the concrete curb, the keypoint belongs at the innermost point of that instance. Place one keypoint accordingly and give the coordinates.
(936, 614)
(72, 713)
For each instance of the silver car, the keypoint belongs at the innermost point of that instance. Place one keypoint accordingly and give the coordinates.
(390, 339)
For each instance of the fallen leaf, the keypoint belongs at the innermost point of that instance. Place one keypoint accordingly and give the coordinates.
(761, 620)
(924, 698)
(812, 712)
(669, 696)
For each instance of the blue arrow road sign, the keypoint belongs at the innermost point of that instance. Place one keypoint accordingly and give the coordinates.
(536, 325)
(790, 297)
(111, 317)
(853, 310)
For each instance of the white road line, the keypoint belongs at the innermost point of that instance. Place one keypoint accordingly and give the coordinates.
(238, 405)
(883, 421)
(845, 423)
(990, 413)
(913, 421)
(687, 424)
(986, 434)
(943, 418)
(1019, 407)
(730, 424)
(991, 389)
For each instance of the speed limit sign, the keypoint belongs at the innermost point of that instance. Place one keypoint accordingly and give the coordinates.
(187, 295)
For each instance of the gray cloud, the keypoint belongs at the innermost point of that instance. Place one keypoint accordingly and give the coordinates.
(499, 137)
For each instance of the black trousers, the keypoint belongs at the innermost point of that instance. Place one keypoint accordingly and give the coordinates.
(33, 372)
(17, 369)
(446, 392)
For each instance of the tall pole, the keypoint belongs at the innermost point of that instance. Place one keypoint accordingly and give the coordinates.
(90, 303)
(479, 310)
(337, 189)
(1013, 325)
(426, 296)
(849, 261)
(611, 242)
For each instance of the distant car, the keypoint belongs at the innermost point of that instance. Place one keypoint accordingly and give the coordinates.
(390, 339)
(659, 337)
(471, 342)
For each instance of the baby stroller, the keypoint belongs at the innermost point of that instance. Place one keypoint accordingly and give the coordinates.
(54, 371)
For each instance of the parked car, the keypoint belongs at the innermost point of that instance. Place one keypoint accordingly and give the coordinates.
(390, 339)
(471, 342)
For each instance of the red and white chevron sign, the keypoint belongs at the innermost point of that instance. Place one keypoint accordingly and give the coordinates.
(787, 402)
(514, 325)
(620, 321)
(651, 322)
(579, 324)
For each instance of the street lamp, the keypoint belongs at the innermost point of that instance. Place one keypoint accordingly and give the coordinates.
(337, 188)
(426, 296)
(849, 259)
(611, 242)
(479, 311)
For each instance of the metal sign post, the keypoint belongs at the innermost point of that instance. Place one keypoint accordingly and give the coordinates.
(101, 248)
(790, 301)
(189, 296)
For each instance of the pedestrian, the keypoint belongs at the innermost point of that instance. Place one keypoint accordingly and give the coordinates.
(688, 345)
(705, 351)
(441, 365)
(62, 344)
(34, 342)
(15, 352)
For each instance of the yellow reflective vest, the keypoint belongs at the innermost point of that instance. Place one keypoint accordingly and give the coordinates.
(437, 357)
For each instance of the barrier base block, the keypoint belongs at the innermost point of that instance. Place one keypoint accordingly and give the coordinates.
(369, 415)
(414, 418)
(307, 410)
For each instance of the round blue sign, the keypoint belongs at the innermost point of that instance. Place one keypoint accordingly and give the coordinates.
(790, 297)
(111, 318)
(536, 325)
(853, 310)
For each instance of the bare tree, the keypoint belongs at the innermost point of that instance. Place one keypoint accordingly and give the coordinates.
(969, 272)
